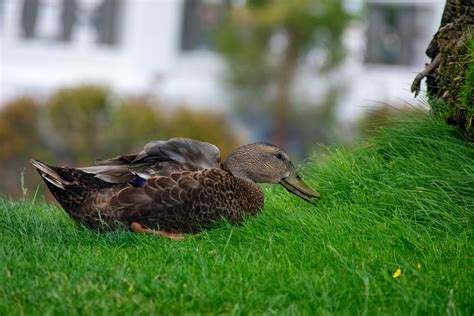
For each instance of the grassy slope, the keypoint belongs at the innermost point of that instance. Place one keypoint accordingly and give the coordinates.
(406, 198)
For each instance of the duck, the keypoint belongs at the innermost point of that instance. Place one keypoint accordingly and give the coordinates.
(174, 187)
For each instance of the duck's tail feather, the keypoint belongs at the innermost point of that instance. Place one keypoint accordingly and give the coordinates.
(51, 174)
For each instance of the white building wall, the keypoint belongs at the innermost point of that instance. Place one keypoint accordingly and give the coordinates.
(148, 59)
(39, 66)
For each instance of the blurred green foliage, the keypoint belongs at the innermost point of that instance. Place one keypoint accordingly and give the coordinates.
(18, 128)
(185, 122)
(77, 125)
(76, 118)
(18, 137)
(139, 115)
(266, 43)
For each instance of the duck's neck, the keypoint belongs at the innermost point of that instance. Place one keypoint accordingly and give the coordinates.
(237, 168)
(235, 171)
(239, 164)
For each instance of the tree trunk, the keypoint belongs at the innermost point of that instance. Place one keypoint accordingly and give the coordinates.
(282, 109)
(450, 61)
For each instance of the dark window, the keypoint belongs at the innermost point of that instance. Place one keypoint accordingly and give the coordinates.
(2, 13)
(390, 34)
(29, 17)
(70, 17)
(200, 19)
(106, 20)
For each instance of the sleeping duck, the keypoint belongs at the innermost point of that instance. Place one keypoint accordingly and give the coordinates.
(172, 187)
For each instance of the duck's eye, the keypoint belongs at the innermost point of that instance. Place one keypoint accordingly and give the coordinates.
(278, 155)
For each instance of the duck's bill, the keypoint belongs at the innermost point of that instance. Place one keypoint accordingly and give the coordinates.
(297, 186)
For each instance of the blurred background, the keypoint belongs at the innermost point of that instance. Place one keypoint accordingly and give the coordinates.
(87, 79)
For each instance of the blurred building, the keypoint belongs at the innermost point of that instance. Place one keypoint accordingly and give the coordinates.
(164, 47)
(386, 50)
(131, 45)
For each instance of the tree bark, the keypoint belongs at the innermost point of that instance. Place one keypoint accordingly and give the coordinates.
(449, 53)
(282, 109)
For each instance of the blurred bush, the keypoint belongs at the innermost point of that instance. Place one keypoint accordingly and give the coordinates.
(18, 138)
(133, 123)
(18, 131)
(77, 125)
(76, 118)
(185, 122)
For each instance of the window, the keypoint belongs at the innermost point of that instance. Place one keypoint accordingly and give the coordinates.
(2, 13)
(29, 17)
(106, 18)
(200, 18)
(63, 20)
(390, 34)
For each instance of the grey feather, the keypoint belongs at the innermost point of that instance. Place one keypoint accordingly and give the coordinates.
(158, 158)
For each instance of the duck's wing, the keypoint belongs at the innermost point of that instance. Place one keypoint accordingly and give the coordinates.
(177, 202)
(158, 158)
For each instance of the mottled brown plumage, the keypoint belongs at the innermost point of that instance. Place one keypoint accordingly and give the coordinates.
(175, 186)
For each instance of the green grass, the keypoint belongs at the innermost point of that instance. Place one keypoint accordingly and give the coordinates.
(403, 198)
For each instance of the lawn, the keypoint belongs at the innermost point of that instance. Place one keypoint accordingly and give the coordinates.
(402, 200)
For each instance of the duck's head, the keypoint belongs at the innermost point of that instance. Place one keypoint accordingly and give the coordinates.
(266, 163)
